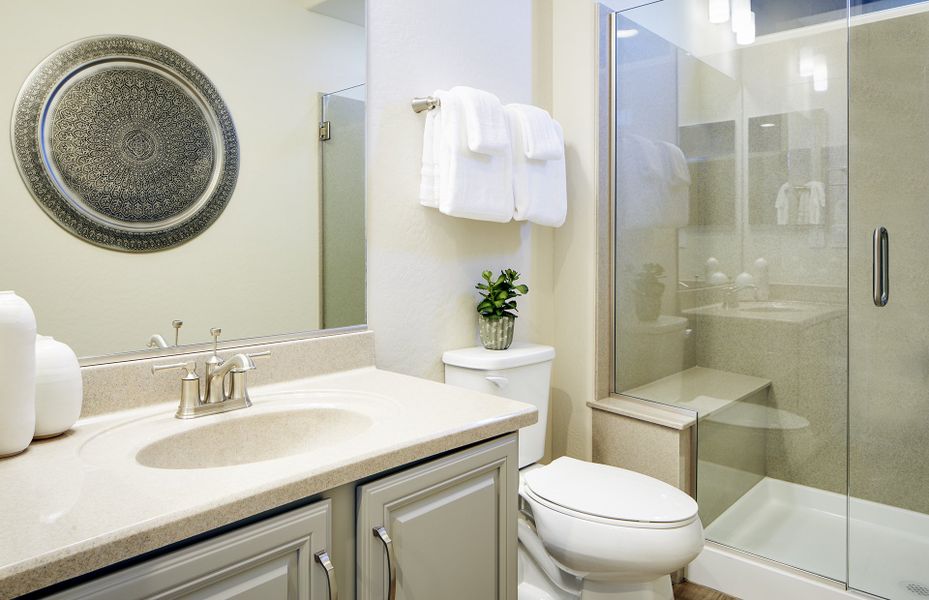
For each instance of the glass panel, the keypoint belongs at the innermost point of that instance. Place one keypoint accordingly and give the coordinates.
(342, 160)
(889, 354)
(731, 263)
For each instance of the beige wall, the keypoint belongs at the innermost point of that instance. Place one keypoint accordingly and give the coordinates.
(269, 60)
(422, 265)
(889, 135)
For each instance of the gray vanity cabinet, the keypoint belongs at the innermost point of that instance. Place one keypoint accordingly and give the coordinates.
(274, 559)
(445, 529)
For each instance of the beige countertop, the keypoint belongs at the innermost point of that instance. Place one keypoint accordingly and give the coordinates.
(73, 504)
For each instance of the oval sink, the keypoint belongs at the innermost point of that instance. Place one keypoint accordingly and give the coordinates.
(281, 424)
(253, 438)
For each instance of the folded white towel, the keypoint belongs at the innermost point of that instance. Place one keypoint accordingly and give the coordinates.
(539, 186)
(485, 121)
(428, 185)
(471, 185)
(540, 136)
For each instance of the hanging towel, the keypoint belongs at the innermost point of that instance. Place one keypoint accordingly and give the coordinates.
(675, 209)
(432, 139)
(539, 186)
(540, 134)
(812, 204)
(654, 184)
(782, 204)
(485, 121)
(471, 185)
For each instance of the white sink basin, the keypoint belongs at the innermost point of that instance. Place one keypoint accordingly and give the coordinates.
(255, 437)
(278, 426)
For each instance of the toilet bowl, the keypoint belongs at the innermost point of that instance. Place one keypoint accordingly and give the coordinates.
(586, 531)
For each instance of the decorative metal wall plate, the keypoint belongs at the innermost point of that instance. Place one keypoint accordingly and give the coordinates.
(125, 143)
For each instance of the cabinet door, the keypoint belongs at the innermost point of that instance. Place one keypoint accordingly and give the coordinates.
(452, 526)
(273, 559)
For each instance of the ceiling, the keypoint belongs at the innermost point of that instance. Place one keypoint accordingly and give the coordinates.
(351, 11)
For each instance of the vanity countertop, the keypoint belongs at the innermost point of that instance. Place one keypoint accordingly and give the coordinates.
(69, 506)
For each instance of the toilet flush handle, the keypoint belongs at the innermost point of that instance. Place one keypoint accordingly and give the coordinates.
(499, 381)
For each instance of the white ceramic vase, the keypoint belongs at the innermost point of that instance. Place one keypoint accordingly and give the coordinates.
(17, 374)
(59, 390)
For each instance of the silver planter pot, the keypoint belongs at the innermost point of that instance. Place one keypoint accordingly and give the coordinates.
(497, 332)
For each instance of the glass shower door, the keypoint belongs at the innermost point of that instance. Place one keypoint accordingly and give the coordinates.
(731, 260)
(889, 345)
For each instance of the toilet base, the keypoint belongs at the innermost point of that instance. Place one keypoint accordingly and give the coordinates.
(658, 589)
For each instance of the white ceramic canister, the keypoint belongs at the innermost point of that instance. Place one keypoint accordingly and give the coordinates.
(59, 390)
(17, 374)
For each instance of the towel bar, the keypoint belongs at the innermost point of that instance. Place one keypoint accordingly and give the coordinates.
(425, 103)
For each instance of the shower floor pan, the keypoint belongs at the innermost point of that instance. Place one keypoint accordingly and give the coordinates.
(806, 528)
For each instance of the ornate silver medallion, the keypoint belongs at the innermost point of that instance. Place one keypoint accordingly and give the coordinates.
(125, 143)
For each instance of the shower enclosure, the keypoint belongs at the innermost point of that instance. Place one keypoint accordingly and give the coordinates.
(770, 234)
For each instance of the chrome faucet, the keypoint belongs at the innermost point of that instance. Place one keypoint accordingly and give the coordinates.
(731, 297)
(225, 383)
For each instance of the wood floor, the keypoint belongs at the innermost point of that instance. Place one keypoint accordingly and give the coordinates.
(692, 591)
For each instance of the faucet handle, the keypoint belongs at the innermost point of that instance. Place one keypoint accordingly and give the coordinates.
(177, 324)
(215, 332)
(264, 354)
(189, 367)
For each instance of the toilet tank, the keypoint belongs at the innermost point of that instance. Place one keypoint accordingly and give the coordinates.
(522, 372)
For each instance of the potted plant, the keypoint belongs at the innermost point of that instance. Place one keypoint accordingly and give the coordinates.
(497, 307)
(648, 291)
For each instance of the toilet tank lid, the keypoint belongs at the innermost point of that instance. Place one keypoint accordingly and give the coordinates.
(517, 355)
(610, 492)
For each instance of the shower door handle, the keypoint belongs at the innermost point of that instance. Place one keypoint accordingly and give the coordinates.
(880, 285)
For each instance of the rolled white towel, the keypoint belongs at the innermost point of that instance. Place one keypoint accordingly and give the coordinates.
(485, 121)
(540, 137)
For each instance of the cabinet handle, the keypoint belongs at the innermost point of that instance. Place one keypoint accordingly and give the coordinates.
(381, 534)
(322, 557)
(881, 267)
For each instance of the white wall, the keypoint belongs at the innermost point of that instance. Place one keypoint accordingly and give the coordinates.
(574, 105)
(269, 60)
(423, 265)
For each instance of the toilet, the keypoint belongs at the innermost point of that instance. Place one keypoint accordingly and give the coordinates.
(586, 531)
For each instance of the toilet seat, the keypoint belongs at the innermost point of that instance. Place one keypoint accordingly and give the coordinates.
(608, 495)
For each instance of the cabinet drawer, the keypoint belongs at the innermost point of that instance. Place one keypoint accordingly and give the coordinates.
(451, 524)
(270, 560)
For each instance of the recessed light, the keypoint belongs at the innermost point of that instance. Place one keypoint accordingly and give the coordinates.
(626, 33)
(768, 125)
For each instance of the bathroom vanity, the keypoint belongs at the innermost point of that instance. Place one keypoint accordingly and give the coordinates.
(351, 480)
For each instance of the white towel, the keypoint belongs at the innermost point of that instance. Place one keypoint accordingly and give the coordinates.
(432, 138)
(812, 204)
(541, 137)
(782, 204)
(653, 184)
(485, 121)
(471, 185)
(539, 186)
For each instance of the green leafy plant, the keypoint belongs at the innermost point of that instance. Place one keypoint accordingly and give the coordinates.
(498, 296)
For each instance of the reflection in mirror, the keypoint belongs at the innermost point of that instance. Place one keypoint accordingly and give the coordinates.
(284, 250)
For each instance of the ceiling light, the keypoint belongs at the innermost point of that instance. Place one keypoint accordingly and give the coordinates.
(741, 14)
(626, 33)
(746, 33)
(820, 76)
(719, 11)
(768, 125)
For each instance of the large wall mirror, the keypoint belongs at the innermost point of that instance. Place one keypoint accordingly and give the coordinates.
(282, 252)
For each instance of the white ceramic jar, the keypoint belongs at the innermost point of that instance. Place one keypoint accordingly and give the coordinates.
(17, 374)
(59, 390)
